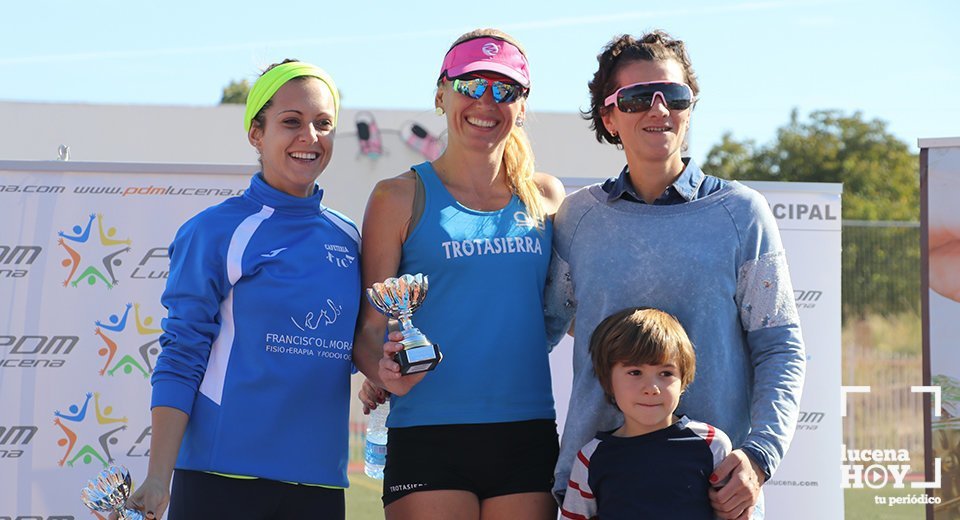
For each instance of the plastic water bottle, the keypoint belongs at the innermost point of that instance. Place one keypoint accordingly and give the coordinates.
(375, 451)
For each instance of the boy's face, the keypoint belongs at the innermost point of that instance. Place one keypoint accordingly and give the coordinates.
(647, 395)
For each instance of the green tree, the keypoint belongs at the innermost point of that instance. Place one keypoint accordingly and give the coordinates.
(878, 171)
(880, 177)
(235, 93)
(732, 159)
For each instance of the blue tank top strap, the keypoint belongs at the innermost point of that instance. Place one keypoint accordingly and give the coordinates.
(432, 186)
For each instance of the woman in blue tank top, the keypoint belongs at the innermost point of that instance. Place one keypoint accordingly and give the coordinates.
(477, 433)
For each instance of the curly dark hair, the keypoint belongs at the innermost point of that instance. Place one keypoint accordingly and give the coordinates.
(622, 50)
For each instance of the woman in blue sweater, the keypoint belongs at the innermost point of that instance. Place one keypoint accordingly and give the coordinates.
(477, 435)
(250, 393)
(665, 235)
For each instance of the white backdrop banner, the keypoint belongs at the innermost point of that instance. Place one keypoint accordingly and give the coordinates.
(809, 218)
(83, 261)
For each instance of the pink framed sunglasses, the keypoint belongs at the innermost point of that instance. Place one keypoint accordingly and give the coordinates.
(640, 97)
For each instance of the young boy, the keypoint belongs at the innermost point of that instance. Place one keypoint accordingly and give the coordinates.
(656, 465)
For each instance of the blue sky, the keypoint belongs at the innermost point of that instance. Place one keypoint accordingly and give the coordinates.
(756, 60)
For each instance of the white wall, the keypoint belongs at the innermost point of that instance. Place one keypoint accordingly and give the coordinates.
(563, 143)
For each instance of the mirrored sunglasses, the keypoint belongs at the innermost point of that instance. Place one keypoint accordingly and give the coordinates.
(474, 87)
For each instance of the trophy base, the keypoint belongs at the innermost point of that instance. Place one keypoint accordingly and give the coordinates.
(418, 359)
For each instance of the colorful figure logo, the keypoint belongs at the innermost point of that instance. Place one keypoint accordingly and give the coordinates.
(82, 251)
(80, 425)
(115, 330)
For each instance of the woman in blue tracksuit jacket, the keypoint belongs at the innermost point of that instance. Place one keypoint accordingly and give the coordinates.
(250, 393)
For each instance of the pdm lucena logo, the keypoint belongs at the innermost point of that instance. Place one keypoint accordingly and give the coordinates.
(88, 432)
(130, 343)
(92, 255)
(15, 439)
(16, 259)
(807, 299)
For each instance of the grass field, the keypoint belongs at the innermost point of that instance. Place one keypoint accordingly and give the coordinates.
(363, 498)
(862, 504)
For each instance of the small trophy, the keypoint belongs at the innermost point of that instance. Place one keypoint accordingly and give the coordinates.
(109, 493)
(398, 298)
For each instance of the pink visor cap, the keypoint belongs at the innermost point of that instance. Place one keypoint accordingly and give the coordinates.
(489, 54)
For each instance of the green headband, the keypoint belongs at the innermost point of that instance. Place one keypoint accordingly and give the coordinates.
(270, 82)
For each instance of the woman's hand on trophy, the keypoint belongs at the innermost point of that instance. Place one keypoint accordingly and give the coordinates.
(371, 396)
(150, 498)
(389, 371)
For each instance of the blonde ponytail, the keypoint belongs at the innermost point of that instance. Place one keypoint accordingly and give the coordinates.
(518, 163)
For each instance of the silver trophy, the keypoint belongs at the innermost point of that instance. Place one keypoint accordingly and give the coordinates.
(108, 493)
(398, 298)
